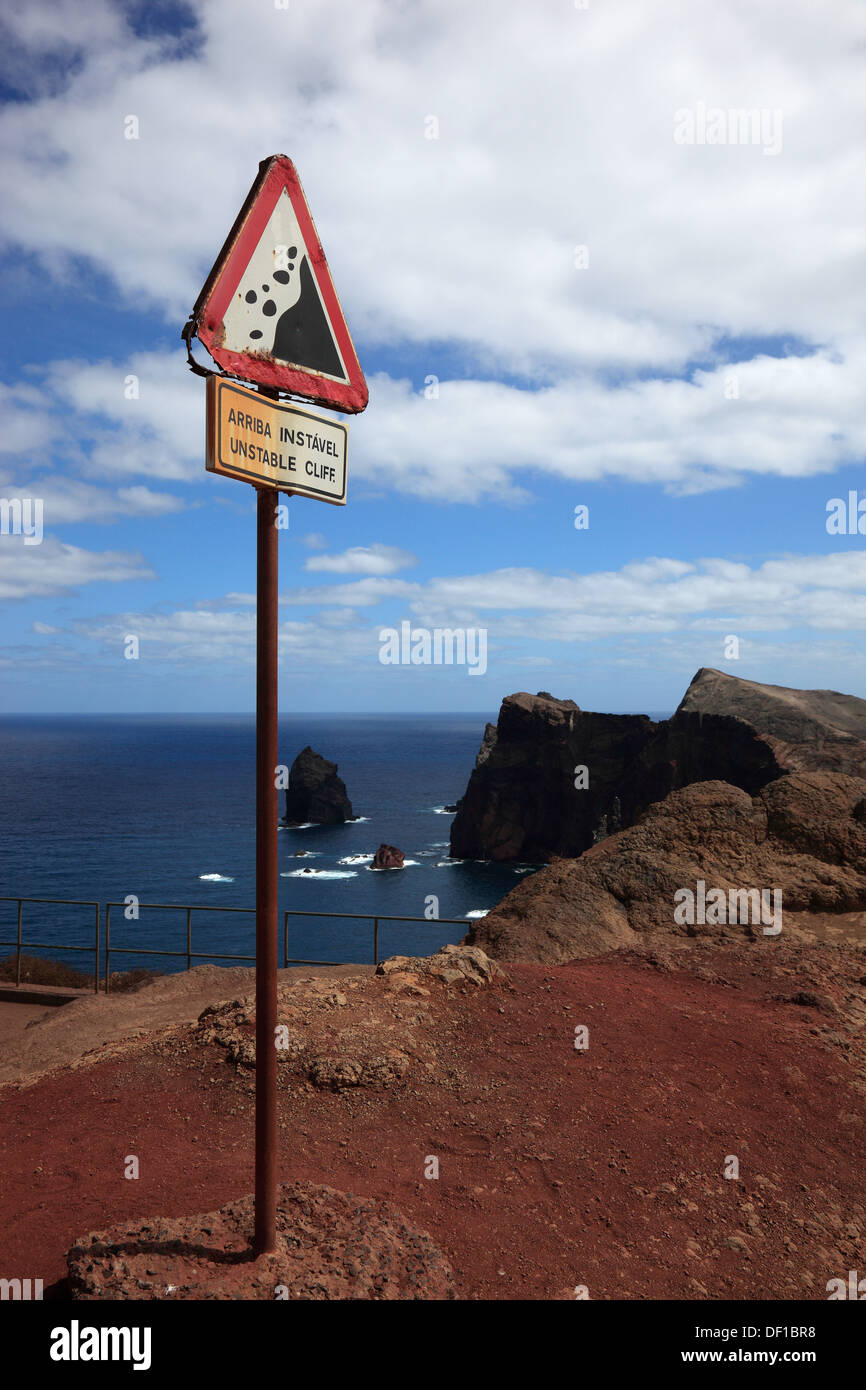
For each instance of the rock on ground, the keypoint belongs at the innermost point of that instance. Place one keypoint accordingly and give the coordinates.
(98, 1025)
(331, 1245)
(450, 965)
(361, 1033)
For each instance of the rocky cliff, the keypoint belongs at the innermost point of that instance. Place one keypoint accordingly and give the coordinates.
(522, 802)
(747, 734)
(803, 837)
(315, 792)
(527, 798)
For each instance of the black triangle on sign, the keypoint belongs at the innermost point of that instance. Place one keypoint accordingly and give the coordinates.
(303, 334)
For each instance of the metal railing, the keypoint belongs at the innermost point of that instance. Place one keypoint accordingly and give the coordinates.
(189, 954)
(52, 945)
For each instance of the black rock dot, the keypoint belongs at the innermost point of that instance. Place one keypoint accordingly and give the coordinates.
(251, 296)
(281, 277)
(269, 307)
(266, 288)
(291, 265)
(256, 333)
(293, 251)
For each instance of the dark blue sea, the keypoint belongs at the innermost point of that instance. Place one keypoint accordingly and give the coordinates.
(101, 807)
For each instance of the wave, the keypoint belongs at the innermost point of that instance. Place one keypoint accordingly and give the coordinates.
(215, 878)
(447, 863)
(357, 859)
(318, 873)
(478, 912)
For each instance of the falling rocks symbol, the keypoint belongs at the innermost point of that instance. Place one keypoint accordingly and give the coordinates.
(303, 334)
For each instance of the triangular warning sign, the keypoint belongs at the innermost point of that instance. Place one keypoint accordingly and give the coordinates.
(269, 312)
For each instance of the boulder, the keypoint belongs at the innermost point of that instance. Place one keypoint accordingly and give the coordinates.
(388, 857)
(800, 835)
(450, 964)
(315, 792)
(330, 1245)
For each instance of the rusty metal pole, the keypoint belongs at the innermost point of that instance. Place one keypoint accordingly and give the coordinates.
(266, 873)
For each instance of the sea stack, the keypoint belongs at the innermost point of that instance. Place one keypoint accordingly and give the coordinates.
(315, 793)
(388, 857)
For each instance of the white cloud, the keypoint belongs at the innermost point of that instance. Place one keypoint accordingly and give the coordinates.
(38, 571)
(201, 638)
(654, 596)
(680, 606)
(360, 593)
(373, 559)
(159, 433)
(27, 424)
(67, 500)
(555, 129)
(791, 417)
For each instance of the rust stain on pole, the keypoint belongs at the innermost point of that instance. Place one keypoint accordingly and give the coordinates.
(266, 873)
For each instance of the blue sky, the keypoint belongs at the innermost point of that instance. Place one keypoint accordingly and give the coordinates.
(693, 375)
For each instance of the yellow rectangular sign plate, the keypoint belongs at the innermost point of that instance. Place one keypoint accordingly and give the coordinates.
(265, 442)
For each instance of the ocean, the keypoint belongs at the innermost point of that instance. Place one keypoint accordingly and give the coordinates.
(163, 808)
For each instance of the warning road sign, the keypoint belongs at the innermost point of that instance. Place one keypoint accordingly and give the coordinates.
(269, 312)
(261, 441)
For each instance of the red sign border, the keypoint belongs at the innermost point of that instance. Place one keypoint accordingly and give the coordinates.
(276, 174)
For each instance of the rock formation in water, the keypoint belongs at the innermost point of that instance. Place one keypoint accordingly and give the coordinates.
(552, 779)
(388, 857)
(315, 793)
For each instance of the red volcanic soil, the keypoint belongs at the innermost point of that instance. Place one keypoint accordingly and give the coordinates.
(558, 1167)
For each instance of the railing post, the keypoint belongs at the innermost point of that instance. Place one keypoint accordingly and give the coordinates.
(18, 947)
(96, 954)
(188, 937)
(107, 944)
(285, 940)
(375, 940)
